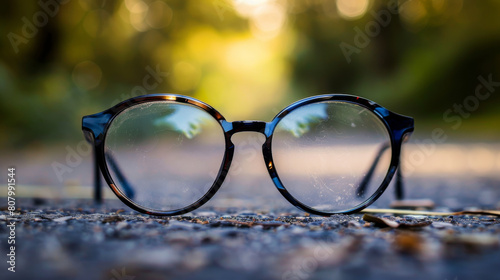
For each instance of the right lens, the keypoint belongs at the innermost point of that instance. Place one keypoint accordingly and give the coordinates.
(331, 156)
(164, 155)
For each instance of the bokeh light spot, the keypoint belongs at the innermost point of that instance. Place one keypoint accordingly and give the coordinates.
(352, 9)
(87, 75)
(159, 15)
(413, 13)
(266, 17)
(138, 14)
(268, 20)
(247, 7)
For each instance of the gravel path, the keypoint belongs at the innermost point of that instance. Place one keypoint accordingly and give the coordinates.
(249, 231)
(76, 239)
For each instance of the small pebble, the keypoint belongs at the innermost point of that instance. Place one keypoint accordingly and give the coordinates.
(122, 225)
(63, 219)
(441, 225)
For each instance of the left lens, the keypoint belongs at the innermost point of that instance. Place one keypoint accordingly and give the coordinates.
(323, 153)
(164, 155)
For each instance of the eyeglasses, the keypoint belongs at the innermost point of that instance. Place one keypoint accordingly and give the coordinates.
(165, 154)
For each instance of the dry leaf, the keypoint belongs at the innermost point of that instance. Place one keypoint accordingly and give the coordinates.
(417, 224)
(479, 212)
(380, 222)
(383, 222)
(111, 219)
(265, 225)
(430, 213)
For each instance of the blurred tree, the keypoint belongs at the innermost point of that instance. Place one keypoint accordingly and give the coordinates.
(248, 58)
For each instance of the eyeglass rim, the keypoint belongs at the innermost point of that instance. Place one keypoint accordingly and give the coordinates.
(96, 126)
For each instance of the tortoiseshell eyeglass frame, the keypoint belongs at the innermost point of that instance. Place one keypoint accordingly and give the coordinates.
(95, 127)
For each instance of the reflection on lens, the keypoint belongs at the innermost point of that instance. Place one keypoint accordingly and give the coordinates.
(164, 155)
(323, 153)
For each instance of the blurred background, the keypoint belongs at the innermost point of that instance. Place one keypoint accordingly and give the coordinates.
(435, 60)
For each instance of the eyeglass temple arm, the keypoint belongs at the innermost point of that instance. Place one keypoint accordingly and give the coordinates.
(399, 192)
(127, 187)
(97, 178)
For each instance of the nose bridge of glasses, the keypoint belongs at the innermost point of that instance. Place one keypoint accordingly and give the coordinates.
(245, 126)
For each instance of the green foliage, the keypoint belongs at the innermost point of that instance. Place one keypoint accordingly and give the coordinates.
(89, 55)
